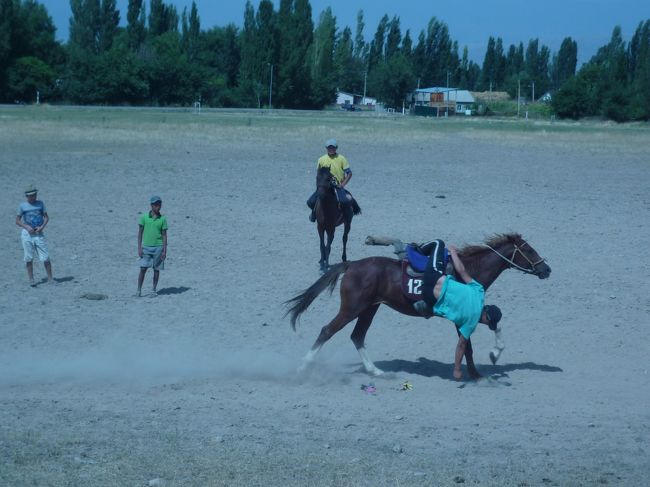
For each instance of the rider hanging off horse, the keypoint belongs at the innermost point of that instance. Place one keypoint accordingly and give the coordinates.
(341, 175)
(461, 303)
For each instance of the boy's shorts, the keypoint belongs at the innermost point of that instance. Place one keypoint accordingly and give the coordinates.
(151, 257)
(33, 243)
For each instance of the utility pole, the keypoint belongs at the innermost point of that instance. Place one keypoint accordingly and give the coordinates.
(533, 100)
(365, 80)
(447, 104)
(271, 88)
(518, 95)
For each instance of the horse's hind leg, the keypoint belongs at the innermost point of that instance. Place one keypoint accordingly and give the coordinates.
(359, 339)
(327, 332)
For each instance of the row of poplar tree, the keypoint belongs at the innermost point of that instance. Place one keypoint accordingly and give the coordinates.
(165, 58)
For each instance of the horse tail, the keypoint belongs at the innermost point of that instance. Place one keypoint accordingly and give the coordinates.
(300, 303)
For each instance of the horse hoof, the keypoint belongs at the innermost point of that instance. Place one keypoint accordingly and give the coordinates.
(375, 372)
(493, 358)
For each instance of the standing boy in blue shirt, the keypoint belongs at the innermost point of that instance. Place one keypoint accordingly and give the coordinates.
(32, 217)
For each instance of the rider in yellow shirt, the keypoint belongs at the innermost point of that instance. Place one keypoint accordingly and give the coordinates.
(340, 169)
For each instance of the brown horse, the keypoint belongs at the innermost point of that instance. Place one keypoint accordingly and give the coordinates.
(329, 216)
(370, 282)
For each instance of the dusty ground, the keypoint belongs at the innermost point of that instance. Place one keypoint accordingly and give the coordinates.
(198, 387)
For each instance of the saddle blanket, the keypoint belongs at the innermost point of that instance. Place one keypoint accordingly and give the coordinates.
(411, 282)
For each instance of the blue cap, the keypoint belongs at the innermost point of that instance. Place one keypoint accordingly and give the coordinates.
(155, 199)
(331, 143)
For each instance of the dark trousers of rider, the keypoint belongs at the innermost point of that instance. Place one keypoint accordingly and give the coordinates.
(341, 193)
(434, 269)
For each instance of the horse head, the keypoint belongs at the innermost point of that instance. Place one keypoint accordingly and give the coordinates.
(323, 181)
(520, 255)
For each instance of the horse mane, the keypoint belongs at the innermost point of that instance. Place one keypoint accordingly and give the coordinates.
(472, 255)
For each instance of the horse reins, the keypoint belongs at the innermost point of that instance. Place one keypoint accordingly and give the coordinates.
(514, 253)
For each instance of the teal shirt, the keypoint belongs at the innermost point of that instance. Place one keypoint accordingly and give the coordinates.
(461, 303)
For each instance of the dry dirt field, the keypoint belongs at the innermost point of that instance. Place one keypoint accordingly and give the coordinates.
(198, 386)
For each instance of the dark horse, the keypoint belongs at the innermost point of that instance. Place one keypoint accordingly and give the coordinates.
(370, 282)
(329, 214)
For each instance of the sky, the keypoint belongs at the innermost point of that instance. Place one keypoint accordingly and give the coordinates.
(471, 23)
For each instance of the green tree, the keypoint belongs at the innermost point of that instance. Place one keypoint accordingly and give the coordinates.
(360, 48)
(393, 80)
(172, 81)
(135, 27)
(639, 54)
(26, 31)
(469, 73)
(564, 63)
(219, 50)
(250, 68)
(376, 50)
(432, 55)
(190, 31)
(494, 65)
(93, 24)
(515, 60)
(393, 38)
(296, 34)
(85, 25)
(7, 19)
(579, 96)
(162, 18)
(537, 69)
(28, 75)
(109, 19)
(322, 72)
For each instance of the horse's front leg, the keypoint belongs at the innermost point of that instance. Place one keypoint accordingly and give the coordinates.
(346, 231)
(328, 247)
(323, 250)
(499, 345)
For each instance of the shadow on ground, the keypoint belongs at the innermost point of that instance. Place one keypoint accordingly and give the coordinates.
(173, 290)
(58, 280)
(434, 368)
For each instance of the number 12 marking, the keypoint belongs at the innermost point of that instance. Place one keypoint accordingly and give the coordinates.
(414, 286)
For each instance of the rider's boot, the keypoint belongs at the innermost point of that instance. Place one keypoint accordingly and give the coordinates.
(423, 309)
(312, 216)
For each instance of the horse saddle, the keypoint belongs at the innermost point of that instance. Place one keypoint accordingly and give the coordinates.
(416, 260)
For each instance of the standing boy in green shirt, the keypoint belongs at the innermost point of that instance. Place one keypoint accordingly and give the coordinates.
(152, 243)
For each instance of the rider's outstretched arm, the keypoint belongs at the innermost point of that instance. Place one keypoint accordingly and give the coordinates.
(458, 265)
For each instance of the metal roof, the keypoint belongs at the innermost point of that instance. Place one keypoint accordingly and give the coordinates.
(453, 94)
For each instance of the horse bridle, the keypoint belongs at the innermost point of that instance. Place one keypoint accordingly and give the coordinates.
(511, 260)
